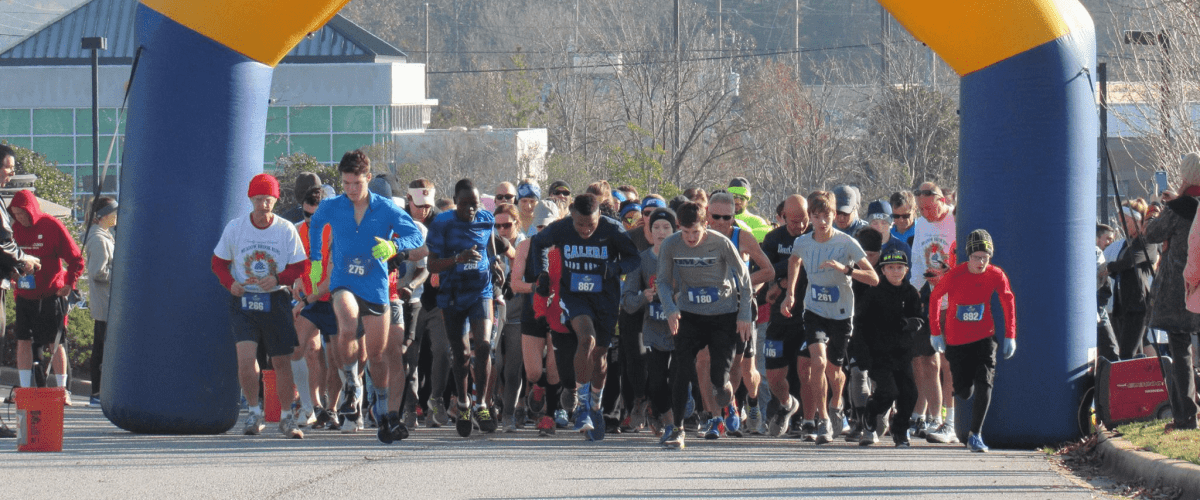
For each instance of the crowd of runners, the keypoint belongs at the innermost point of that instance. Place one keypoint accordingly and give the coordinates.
(546, 310)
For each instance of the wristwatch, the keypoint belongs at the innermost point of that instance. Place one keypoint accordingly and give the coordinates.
(849, 270)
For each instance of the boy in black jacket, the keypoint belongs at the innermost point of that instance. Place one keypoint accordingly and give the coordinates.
(890, 313)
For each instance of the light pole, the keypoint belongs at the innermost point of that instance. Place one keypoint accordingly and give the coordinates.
(95, 44)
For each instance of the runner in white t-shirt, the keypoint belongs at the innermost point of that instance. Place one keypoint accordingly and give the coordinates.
(933, 254)
(255, 255)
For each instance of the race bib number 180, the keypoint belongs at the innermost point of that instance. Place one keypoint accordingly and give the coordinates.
(702, 294)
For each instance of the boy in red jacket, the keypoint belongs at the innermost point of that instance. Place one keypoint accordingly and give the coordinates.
(41, 297)
(970, 336)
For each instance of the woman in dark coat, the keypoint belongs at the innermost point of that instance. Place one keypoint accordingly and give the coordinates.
(1168, 311)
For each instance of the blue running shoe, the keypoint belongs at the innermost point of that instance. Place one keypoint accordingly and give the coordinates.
(975, 443)
(733, 421)
(666, 434)
(561, 419)
(714, 428)
(583, 420)
(690, 408)
(597, 434)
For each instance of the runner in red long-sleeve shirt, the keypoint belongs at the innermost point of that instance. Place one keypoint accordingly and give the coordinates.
(969, 341)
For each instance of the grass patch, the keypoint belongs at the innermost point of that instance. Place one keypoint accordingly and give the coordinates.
(1182, 445)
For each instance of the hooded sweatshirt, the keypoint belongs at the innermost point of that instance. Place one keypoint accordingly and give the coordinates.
(47, 239)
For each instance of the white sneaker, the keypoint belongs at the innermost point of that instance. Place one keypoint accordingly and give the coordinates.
(287, 426)
(943, 434)
(824, 432)
(353, 426)
(307, 418)
(253, 426)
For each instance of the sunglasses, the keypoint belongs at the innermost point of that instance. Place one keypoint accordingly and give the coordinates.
(926, 192)
(646, 213)
(509, 197)
(505, 225)
(901, 216)
(562, 192)
(720, 217)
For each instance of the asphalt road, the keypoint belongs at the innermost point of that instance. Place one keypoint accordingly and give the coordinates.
(101, 461)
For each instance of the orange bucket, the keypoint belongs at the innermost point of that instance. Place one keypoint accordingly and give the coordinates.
(271, 407)
(40, 418)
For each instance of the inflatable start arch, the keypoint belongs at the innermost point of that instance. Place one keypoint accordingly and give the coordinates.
(197, 118)
(1027, 174)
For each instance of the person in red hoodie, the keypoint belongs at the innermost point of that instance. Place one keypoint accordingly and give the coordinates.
(41, 297)
(970, 336)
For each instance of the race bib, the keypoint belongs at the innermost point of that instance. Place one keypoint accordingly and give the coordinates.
(467, 266)
(773, 348)
(970, 314)
(702, 294)
(26, 282)
(256, 302)
(657, 312)
(585, 283)
(357, 266)
(824, 293)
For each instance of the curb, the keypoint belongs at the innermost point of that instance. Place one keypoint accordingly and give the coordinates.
(1121, 458)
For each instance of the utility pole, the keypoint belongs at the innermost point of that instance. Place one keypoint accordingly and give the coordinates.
(721, 46)
(427, 49)
(95, 44)
(883, 45)
(1102, 75)
(797, 41)
(678, 80)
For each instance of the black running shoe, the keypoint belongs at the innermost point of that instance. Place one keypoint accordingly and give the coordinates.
(385, 428)
(463, 423)
(396, 426)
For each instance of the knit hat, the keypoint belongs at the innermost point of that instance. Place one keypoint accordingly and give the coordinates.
(879, 209)
(1189, 171)
(264, 184)
(544, 213)
(979, 241)
(529, 190)
(554, 186)
(869, 239)
(651, 202)
(739, 186)
(664, 214)
(893, 256)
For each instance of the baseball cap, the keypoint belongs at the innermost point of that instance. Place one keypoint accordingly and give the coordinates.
(879, 210)
(847, 198)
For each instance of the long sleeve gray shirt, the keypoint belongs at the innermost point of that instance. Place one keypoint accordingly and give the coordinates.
(708, 279)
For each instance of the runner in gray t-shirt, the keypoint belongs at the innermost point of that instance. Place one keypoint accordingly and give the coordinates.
(705, 291)
(829, 259)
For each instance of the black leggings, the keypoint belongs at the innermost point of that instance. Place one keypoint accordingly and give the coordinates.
(658, 380)
(633, 358)
(973, 368)
(98, 334)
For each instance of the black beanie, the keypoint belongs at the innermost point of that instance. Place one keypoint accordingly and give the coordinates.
(979, 241)
(677, 202)
(664, 214)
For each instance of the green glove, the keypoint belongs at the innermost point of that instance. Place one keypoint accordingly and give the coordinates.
(383, 250)
(316, 272)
